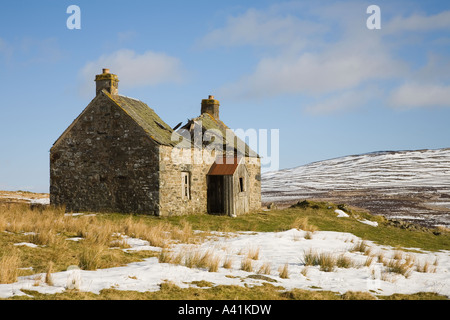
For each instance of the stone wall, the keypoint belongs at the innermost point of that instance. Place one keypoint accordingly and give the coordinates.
(254, 172)
(105, 162)
(173, 162)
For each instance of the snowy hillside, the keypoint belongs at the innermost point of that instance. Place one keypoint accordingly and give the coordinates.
(405, 182)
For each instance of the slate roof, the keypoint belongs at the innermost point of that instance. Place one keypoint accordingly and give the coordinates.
(229, 140)
(163, 134)
(148, 120)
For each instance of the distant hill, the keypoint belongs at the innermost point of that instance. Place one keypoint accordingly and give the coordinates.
(419, 177)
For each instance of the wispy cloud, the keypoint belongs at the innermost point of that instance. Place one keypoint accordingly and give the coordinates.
(341, 102)
(415, 95)
(418, 23)
(134, 70)
(26, 50)
(331, 56)
(261, 28)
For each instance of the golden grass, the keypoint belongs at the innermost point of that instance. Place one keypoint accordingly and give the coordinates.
(302, 223)
(253, 253)
(48, 275)
(265, 268)
(9, 267)
(284, 271)
(247, 264)
(228, 263)
(327, 262)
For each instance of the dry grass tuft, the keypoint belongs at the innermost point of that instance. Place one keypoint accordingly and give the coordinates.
(344, 262)
(228, 263)
(48, 275)
(253, 253)
(327, 262)
(247, 264)
(361, 246)
(284, 272)
(265, 268)
(90, 256)
(302, 223)
(9, 267)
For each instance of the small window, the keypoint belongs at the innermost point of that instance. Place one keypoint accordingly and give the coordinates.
(241, 185)
(185, 186)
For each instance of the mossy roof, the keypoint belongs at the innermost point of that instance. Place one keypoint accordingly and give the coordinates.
(147, 119)
(230, 140)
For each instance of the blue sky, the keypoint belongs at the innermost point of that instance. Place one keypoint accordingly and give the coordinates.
(311, 69)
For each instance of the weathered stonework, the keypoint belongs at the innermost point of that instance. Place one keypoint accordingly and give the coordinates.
(119, 156)
(105, 162)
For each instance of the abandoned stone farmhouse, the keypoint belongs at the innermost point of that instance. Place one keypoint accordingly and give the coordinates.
(118, 155)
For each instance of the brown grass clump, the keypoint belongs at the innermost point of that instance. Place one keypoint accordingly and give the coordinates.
(90, 256)
(265, 268)
(48, 275)
(9, 267)
(344, 262)
(327, 262)
(228, 262)
(302, 223)
(253, 253)
(284, 272)
(361, 246)
(247, 264)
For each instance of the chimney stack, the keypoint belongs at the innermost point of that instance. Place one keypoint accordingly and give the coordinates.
(211, 106)
(107, 81)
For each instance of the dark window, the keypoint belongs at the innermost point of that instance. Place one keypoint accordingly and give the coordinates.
(241, 185)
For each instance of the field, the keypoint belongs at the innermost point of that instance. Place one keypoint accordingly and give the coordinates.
(313, 250)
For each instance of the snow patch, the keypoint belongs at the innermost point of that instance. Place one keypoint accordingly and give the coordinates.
(275, 248)
(341, 214)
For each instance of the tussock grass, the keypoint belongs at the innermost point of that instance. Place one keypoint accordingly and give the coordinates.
(48, 275)
(425, 267)
(327, 262)
(90, 256)
(284, 271)
(228, 263)
(247, 264)
(310, 258)
(213, 263)
(9, 267)
(253, 253)
(361, 246)
(302, 223)
(401, 267)
(343, 261)
(265, 268)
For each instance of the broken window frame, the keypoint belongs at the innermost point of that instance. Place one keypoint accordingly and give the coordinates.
(185, 185)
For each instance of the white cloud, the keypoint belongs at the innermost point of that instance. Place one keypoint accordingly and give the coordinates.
(342, 101)
(417, 23)
(414, 95)
(261, 28)
(134, 70)
(342, 66)
(331, 62)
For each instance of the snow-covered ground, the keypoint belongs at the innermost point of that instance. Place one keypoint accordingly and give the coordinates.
(275, 249)
(389, 169)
